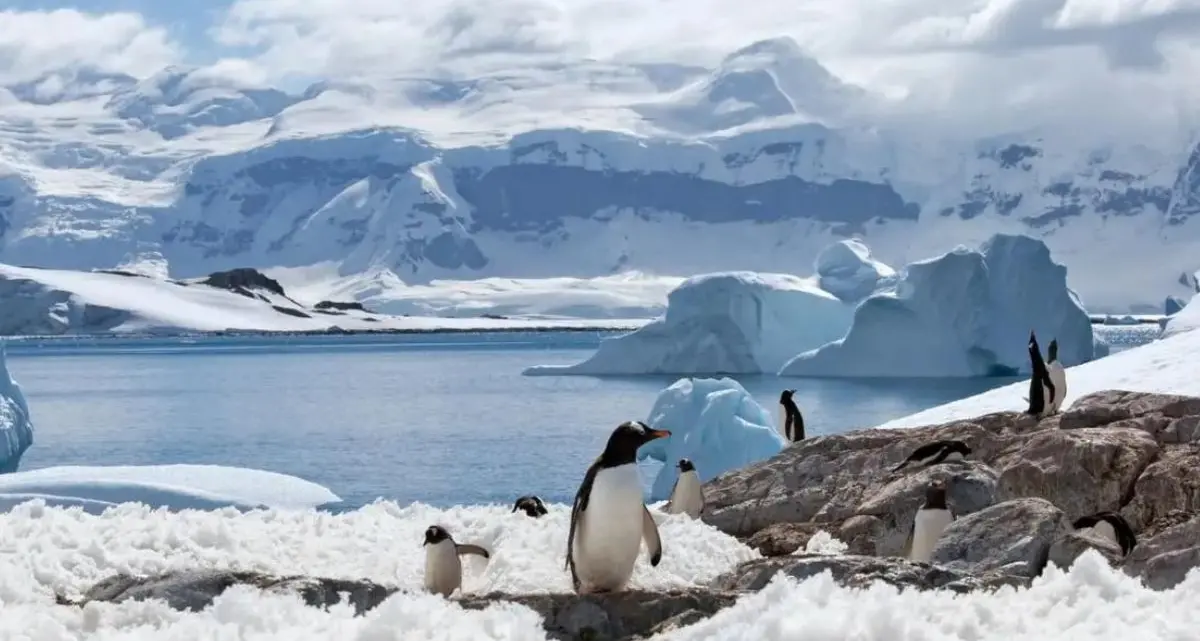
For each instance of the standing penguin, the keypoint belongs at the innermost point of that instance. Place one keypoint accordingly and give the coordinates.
(928, 523)
(687, 497)
(1109, 526)
(609, 518)
(443, 570)
(793, 420)
(1057, 376)
(1041, 388)
(531, 505)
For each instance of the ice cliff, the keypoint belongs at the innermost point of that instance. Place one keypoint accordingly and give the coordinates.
(713, 422)
(965, 313)
(16, 428)
(723, 323)
(847, 270)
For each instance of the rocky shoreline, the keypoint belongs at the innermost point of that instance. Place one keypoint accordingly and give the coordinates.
(1016, 497)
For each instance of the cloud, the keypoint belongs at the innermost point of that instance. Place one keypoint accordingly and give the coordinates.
(36, 43)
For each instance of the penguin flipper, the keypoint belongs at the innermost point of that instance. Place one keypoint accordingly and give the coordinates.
(577, 511)
(469, 548)
(650, 534)
(908, 542)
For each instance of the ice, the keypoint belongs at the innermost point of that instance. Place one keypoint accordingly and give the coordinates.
(16, 425)
(713, 422)
(175, 487)
(847, 270)
(723, 323)
(965, 313)
(1184, 320)
(1173, 304)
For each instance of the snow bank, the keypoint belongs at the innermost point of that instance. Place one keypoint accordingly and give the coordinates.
(966, 313)
(1164, 366)
(16, 426)
(1184, 320)
(723, 323)
(56, 550)
(713, 422)
(847, 270)
(174, 487)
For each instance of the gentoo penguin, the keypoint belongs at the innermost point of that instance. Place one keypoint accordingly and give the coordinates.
(609, 518)
(936, 452)
(793, 420)
(687, 497)
(443, 570)
(928, 523)
(1109, 526)
(1041, 388)
(531, 505)
(1057, 376)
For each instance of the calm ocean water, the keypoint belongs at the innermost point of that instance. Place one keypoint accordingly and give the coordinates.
(438, 418)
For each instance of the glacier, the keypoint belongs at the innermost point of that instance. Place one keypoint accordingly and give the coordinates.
(722, 323)
(847, 270)
(16, 424)
(713, 422)
(631, 168)
(965, 313)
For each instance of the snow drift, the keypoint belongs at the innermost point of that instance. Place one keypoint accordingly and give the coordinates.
(713, 422)
(16, 427)
(173, 487)
(723, 323)
(847, 270)
(965, 313)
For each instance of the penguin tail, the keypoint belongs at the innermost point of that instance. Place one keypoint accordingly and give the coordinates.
(900, 466)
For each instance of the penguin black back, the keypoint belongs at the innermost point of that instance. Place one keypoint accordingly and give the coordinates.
(1124, 533)
(531, 505)
(793, 426)
(1052, 351)
(1039, 380)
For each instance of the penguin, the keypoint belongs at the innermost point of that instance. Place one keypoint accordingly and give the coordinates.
(793, 420)
(687, 497)
(1058, 378)
(609, 518)
(443, 570)
(1041, 388)
(531, 505)
(1109, 526)
(928, 523)
(936, 452)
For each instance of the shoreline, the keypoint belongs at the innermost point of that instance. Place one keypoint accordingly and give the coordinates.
(333, 331)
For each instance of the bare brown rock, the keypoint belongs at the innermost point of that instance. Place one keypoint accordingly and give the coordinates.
(1170, 484)
(858, 571)
(782, 539)
(1069, 545)
(1162, 561)
(1013, 532)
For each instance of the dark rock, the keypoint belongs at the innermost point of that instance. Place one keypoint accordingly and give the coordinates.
(343, 306)
(290, 311)
(855, 571)
(244, 280)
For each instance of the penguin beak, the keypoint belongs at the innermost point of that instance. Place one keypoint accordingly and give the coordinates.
(659, 433)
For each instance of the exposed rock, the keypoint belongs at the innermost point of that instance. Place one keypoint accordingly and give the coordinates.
(340, 305)
(782, 539)
(244, 280)
(1170, 484)
(1110, 406)
(1163, 560)
(569, 617)
(1005, 534)
(860, 571)
(1069, 545)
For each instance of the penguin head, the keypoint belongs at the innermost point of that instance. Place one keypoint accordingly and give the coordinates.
(962, 448)
(685, 465)
(1052, 351)
(435, 534)
(935, 493)
(785, 397)
(624, 442)
(531, 506)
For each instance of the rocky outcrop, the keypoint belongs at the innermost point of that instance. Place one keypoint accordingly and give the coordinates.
(856, 571)
(244, 281)
(1015, 497)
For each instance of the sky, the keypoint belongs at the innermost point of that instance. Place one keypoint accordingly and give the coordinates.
(1124, 59)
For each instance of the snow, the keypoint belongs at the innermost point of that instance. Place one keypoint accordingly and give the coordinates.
(53, 550)
(723, 323)
(965, 313)
(1185, 320)
(51, 301)
(847, 270)
(174, 487)
(713, 422)
(16, 425)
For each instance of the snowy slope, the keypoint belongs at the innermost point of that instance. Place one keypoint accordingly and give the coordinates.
(581, 171)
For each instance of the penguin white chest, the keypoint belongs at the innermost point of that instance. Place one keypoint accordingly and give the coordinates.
(926, 530)
(687, 499)
(953, 457)
(1058, 376)
(1104, 531)
(443, 569)
(610, 534)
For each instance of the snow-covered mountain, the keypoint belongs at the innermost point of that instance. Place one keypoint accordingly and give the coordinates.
(580, 170)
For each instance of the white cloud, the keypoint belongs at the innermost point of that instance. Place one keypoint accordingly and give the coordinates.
(34, 43)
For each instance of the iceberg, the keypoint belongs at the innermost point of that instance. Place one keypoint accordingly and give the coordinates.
(966, 313)
(722, 323)
(1184, 320)
(713, 422)
(174, 487)
(1173, 304)
(847, 270)
(16, 426)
